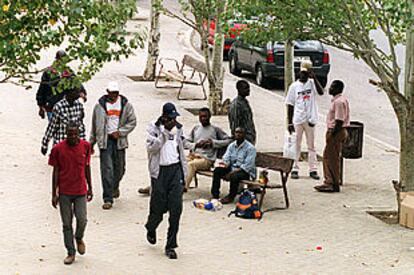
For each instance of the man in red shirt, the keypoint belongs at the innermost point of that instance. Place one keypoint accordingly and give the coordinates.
(72, 186)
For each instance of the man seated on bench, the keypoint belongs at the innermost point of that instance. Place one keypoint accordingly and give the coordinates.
(204, 141)
(239, 163)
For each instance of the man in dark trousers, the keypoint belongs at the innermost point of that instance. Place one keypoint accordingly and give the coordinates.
(72, 187)
(167, 191)
(337, 120)
(240, 112)
(239, 163)
(112, 121)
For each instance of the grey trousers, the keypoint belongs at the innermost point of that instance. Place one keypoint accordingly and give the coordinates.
(69, 205)
(112, 169)
(167, 196)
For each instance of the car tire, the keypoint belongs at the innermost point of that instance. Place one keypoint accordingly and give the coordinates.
(233, 65)
(261, 80)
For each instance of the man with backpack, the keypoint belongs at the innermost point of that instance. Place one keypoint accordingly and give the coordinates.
(239, 163)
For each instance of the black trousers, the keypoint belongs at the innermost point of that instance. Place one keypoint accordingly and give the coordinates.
(167, 196)
(219, 173)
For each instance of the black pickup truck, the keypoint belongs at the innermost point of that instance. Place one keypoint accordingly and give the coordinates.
(267, 62)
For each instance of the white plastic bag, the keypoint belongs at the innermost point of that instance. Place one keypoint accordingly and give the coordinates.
(289, 148)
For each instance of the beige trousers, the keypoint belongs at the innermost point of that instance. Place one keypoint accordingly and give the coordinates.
(194, 164)
(310, 141)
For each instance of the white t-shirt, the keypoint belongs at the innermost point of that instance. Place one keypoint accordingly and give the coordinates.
(113, 112)
(169, 151)
(302, 96)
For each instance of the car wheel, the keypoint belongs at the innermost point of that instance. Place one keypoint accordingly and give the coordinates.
(233, 65)
(323, 81)
(261, 80)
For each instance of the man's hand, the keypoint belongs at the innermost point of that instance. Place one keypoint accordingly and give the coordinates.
(291, 128)
(83, 96)
(200, 144)
(42, 112)
(92, 151)
(227, 177)
(55, 200)
(115, 135)
(43, 150)
(89, 195)
(208, 144)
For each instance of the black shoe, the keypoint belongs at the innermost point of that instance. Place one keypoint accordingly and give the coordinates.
(314, 175)
(116, 194)
(327, 188)
(152, 237)
(227, 199)
(294, 175)
(171, 254)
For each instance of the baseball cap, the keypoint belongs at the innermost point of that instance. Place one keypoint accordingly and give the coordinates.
(170, 110)
(305, 66)
(113, 86)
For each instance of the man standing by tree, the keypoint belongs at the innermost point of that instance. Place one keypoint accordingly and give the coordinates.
(240, 113)
(72, 187)
(337, 121)
(49, 91)
(303, 116)
(68, 109)
(167, 192)
(112, 121)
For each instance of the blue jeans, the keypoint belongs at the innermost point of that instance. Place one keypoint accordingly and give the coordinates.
(49, 116)
(112, 168)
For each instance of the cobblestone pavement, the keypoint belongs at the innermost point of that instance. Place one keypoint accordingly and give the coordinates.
(282, 242)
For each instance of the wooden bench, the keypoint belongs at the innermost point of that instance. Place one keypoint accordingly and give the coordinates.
(184, 74)
(270, 161)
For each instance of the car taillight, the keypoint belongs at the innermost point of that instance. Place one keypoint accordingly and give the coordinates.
(270, 58)
(325, 59)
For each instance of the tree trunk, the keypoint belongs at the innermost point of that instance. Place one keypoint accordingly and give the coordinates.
(289, 68)
(407, 125)
(153, 42)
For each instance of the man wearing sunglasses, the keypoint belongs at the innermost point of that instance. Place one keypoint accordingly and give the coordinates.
(166, 154)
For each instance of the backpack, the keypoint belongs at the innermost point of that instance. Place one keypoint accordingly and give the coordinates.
(247, 206)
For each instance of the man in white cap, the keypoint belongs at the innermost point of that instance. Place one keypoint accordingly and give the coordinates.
(303, 116)
(112, 121)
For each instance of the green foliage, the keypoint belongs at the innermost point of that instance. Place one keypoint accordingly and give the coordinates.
(91, 32)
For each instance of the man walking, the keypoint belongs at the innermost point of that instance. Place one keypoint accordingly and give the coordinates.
(204, 141)
(239, 163)
(303, 116)
(167, 192)
(337, 121)
(240, 113)
(49, 91)
(112, 121)
(72, 187)
(68, 109)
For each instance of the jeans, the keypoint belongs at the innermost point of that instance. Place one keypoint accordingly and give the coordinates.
(49, 116)
(112, 169)
(69, 205)
(167, 196)
(219, 173)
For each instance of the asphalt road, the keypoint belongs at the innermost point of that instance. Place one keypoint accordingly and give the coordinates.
(368, 105)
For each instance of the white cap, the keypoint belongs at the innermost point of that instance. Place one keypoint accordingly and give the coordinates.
(305, 65)
(113, 86)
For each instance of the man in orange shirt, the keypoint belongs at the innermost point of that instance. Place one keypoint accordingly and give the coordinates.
(337, 121)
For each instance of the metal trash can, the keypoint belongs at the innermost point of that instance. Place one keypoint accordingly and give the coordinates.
(352, 148)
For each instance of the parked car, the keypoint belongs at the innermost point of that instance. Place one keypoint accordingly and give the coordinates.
(234, 29)
(267, 62)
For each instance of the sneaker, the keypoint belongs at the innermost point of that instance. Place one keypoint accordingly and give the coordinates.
(144, 191)
(107, 206)
(81, 247)
(227, 200)
(314, 175)
(294, 175)
(171, 254)
(152, 237)
(69, 259)
(116, 194)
